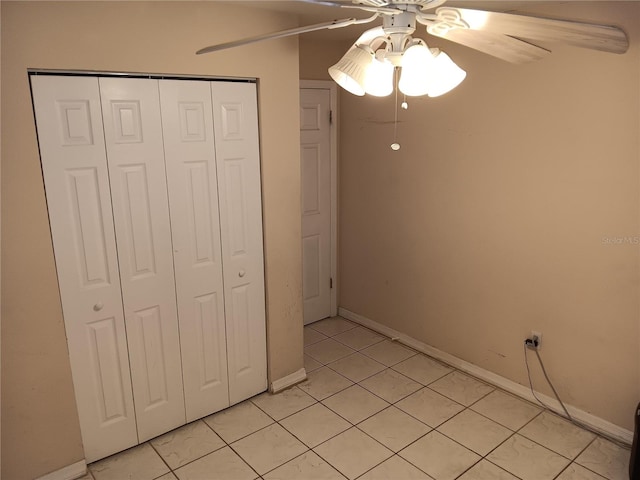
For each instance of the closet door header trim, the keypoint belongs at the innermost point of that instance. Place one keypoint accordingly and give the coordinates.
(155, 76)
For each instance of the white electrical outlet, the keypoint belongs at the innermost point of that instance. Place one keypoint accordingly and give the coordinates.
(539, 335)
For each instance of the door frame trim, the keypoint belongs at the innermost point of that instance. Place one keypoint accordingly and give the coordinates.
(333, 138)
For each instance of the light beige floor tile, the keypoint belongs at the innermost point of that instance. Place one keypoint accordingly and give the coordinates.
(355, 403)
(439, 456)
(429, 407)
(141, 463)
(283, 404)
(268, 448)
(238, 421)
(359, 338)
(606, 458)
(462, 388)
(356, 367)
(390, 385)
(185, 444)
(315, 424)
(310, 364)
(332, 326)
(578, 472)
(388, 353)
(484, 470)
(527, 459)
(307, 466)
(475, 432)
(394, 428)
(557, 434)
(352, 453)
(506, 409)
(223, 463)
(327, 351)
(422, 369)
(88, 476)
(312, 336)
(395, 468)
(323, 383)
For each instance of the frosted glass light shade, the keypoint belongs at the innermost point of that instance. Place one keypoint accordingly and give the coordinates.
(351, 70)
(445, 74)
(379, 78)
(417, 63)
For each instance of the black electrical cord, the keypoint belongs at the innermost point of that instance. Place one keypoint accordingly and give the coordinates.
(544, 370)
(534, 345)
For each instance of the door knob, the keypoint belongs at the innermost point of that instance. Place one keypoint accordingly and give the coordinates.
(98, 306)
(241, 273)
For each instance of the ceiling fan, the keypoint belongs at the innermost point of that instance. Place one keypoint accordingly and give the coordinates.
(373, 62)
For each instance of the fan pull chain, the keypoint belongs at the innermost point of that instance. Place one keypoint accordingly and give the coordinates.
(395, 146)
(405, 105)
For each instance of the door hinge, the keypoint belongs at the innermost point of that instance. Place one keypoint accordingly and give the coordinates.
(330, 282)
(330, 117)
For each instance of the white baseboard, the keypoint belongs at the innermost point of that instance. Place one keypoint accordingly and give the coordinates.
(70, 472)
(288, 381)
(596, 423)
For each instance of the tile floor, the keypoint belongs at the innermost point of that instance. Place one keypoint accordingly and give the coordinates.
(373, 409)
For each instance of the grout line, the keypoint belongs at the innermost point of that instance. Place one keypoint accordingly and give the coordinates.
(388, 404)
(161, 457)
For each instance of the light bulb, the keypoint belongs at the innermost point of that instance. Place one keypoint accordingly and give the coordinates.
(378, 80)
(416, 64)
(445, 75)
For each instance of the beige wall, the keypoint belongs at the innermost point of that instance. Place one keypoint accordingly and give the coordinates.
(489, 221)
(317, 56)
(40, 431)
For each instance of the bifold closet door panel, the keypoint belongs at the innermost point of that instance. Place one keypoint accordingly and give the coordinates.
(135, 157)
(235, 118)
(193, 199)
(69, 124)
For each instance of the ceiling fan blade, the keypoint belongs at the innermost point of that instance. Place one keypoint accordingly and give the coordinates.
(501, 46)
(598, 37)
(329, 3)
(283, 33)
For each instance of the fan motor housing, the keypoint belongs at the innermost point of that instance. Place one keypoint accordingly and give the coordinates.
(423, 4)
(404, 23)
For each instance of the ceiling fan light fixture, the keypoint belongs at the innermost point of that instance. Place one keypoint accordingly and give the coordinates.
(351, 70)
(445, 75)
(417, 62)
(379, 78)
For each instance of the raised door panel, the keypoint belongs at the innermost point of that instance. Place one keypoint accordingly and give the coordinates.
(315, 174)
(238, 167)
(193, 200)
(74, 165)
(133, 135)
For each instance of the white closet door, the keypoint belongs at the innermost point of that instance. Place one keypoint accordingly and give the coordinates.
(238, 164)
(135, 155)
(193, 198)
(76, 179)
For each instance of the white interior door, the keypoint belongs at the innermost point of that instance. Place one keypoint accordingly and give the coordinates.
(187, 120)
(315, 171)
(135, 156)
(74, 164)
(238, 164)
